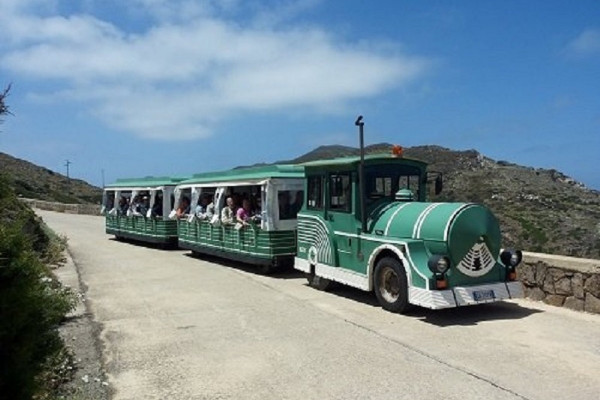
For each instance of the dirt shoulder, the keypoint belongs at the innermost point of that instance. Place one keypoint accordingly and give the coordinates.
(81, 335)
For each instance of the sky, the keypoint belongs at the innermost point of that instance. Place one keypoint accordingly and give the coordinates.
(130, 88)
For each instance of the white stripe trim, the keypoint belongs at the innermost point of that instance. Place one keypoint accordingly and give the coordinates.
(388, 241)
(451, 218)
(422, 216)
(389, 223)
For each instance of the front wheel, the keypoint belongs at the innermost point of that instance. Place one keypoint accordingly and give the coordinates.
(391, 285)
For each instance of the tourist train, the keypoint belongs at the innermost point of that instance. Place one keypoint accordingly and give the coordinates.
(361, 221)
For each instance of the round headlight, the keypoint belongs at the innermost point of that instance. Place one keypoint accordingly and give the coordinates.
(438, 264)
(514, 259)
(511, 258)
(442, 265)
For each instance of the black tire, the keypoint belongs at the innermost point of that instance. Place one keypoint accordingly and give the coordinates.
(390, 285)
(318, 282)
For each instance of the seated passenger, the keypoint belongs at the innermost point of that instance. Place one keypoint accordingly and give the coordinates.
(144, 205)
(157, 209)
(244, 213)
(205, 209)
(135, 204)
(228, 214)
(184, 207)
(123, 205)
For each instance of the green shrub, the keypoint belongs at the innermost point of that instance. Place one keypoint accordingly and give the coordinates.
(32, 301)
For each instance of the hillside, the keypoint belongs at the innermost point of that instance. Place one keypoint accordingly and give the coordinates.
(31, 181)
(539, 210)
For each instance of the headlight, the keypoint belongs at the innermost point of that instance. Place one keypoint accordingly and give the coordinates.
(438, 264)
(511, 258)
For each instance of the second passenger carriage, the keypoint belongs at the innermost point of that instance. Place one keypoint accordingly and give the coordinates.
(268, 199)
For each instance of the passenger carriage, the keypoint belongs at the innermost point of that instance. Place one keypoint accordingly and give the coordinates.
(149, 222)
(269, 239)
(407, 250)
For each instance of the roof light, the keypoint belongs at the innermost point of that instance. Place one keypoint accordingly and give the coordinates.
(397, 151)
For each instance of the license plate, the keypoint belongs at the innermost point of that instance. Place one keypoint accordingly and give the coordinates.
(481, 295)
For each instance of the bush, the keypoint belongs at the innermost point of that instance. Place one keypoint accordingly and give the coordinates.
(32, 301)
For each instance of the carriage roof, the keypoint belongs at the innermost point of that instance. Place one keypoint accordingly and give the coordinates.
(259, 173)
(144, 183)
(352, 162)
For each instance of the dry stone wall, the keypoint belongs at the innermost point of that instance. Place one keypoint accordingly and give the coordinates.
(562, 281)
(88, 209)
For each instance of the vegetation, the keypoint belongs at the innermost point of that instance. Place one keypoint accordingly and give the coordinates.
(31, 181)
(32, 302)
(3, 106)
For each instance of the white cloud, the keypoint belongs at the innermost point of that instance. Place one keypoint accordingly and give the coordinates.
(180, 78)
(586, 44)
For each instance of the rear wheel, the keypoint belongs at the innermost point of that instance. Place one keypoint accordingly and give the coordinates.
(318, 282)
(391, 286)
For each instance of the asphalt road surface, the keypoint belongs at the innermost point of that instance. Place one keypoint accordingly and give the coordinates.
(179, 327)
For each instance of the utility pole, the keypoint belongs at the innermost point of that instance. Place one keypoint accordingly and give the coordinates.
(102, 178)
(67, 163)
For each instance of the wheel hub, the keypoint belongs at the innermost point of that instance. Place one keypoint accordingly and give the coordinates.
(389, 285)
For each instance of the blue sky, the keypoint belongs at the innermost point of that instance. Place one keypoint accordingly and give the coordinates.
(173, 87)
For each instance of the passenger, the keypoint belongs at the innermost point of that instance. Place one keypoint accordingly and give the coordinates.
(144, 205)
(135, 204)
(244, 213)
(157, 209)
(205, 209)
(256, 209)
(228, 214)
(184, 207)
(123, 205)
(297, 205)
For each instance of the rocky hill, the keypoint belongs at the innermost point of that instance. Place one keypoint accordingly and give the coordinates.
(539, 210)
(35, 182)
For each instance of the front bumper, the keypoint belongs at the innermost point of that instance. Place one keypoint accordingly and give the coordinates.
(464, 295)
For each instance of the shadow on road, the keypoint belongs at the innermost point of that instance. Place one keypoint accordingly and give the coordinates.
(149, 245)
(469, 315)
(283, 272)
(465, 316)
(472, 315)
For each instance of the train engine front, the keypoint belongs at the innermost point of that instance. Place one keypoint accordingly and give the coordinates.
(450, 254)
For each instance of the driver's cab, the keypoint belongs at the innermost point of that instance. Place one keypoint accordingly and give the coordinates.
(333, 196)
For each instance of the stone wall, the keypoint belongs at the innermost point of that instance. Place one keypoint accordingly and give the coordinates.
(88, 209)
(562, 281)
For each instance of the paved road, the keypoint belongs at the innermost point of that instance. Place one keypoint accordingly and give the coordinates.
(177, 327)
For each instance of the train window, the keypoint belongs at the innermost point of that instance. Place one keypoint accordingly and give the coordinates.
(340, 191)
(315, 193)
(409, 182)
(290, 203)
(109, 200)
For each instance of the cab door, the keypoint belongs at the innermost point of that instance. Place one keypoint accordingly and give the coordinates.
(342, 217)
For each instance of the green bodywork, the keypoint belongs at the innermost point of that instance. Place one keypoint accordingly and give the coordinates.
(251, 243)
(411, 231)
(154, 229)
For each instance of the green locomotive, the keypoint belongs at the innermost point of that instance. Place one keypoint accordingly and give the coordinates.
(384, 236)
